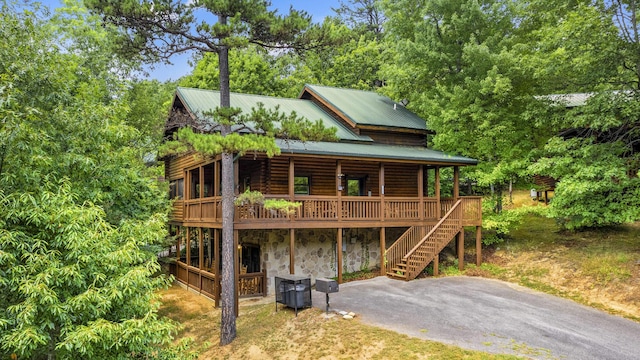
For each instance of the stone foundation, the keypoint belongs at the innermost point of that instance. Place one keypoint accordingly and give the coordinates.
(315, 251)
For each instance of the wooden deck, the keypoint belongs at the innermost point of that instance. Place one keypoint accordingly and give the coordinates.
(330, 212)
(208, 284)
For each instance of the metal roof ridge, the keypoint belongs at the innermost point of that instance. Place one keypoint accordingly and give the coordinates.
(349, 89)
(342, 112)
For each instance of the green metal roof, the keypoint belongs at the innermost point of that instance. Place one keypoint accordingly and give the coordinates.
(372, 150)
(369, 108)
(200, 101)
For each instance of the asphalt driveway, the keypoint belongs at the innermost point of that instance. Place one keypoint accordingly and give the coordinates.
(488, 315)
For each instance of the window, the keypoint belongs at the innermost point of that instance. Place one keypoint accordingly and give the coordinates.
(194, 243)
(209, 179)
(182, 251)
(208, 251)
(176, 189)
(246, 184)
(301, 185)
(194, 189)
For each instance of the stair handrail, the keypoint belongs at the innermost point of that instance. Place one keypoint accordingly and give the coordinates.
(435, 228)
(390, 263)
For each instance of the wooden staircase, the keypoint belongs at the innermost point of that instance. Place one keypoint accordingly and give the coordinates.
(419, 245)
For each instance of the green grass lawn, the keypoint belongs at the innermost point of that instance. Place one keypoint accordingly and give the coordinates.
(598, 268)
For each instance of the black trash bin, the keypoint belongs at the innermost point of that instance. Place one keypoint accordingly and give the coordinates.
(293, 291)
(297, 296)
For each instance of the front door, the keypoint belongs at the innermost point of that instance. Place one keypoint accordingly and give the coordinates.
(250, 258)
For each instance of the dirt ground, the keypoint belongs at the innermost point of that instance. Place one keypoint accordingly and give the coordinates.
(553, 272)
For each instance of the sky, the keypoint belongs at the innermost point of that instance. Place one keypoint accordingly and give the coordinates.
(318, 9)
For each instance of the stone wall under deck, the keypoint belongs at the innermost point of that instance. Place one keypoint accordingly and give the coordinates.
(315, 251)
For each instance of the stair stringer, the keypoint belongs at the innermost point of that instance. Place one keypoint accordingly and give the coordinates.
(430, 246)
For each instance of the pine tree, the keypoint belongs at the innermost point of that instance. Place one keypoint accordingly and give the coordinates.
(156, 30)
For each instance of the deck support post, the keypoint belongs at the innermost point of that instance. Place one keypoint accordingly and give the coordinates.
(381, 191)
(436, 183)
(237, 270)
(236, 177)
(200, 256)
(461, 249)
(339, 257)
(216, 266)
(216, 191)
(188, 252)
(478, 245)
(201, 194)
(200, 249)
(292, 239)
(291, 179)
(178, 246)
(383, 249)
(421, 192)
(339, 176)
(436, 261)
(456, 183)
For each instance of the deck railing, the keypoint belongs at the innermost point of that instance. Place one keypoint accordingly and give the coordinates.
(329, 208)
(404, 244)
(251, 284)
(471, 208)
(433, 242)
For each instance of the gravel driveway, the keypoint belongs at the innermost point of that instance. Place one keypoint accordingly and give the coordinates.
(488, 315)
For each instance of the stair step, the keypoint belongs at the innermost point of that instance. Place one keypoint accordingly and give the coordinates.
(398, 276)
(396, 270)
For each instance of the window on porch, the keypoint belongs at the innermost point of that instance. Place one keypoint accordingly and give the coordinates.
(301, 185)
(194, 188)
(194, 242)
(209, 179)
(356, 186)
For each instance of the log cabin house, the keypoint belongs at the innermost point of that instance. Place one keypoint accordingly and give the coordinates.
(372, 200)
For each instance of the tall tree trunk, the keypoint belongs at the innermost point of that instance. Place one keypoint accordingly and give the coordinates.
(228, 321)
(510, 191)
(498, 199)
